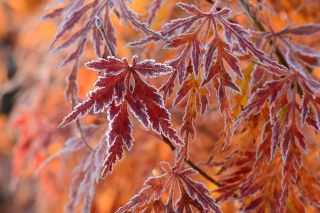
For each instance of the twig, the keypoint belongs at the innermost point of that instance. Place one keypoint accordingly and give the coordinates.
(260, 27)
(192, 164)
(203, 173)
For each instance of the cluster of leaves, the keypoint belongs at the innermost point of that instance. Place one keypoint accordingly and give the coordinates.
(284, 98)
(253, 175)
(191, 34)
(292, 98)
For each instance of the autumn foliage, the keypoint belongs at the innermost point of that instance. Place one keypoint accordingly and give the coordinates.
(168, 106)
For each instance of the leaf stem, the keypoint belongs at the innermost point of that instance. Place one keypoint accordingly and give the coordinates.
(85, 141)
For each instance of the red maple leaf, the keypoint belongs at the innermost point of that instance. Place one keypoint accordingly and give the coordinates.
(115, 93)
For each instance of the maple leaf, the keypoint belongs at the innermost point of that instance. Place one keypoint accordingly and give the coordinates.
(244, 173)
(191, 193)
(259, 185)
(188, 40)
(76, 11)
(71, 14)
(274, 91)
(74, 18)
(115, 93)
